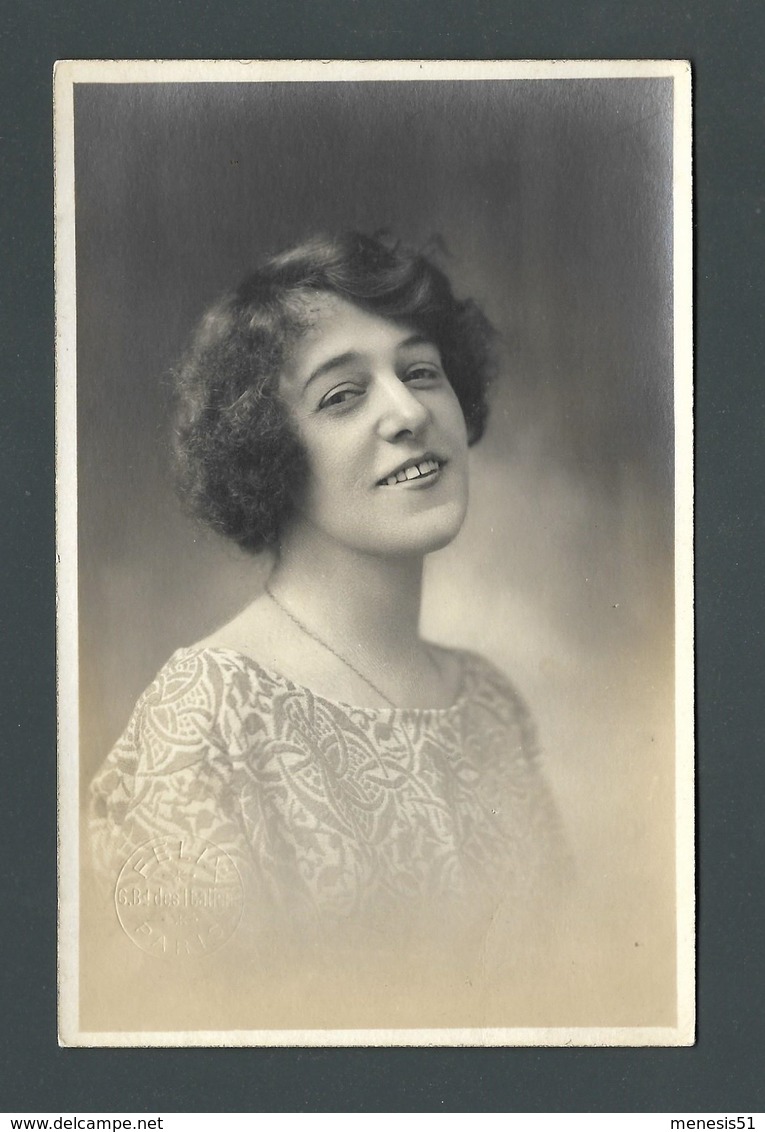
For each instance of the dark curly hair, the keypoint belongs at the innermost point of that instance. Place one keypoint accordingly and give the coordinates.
(240, 466)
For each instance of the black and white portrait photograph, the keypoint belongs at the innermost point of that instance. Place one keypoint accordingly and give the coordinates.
(374, 550)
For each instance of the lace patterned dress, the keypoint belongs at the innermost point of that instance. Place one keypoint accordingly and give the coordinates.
(339, 819)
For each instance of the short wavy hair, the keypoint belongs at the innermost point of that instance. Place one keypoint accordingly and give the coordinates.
(240, 466)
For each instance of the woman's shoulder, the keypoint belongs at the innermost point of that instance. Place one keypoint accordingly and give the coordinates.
(205, 677)
(174, 764)
(204, 664)
(195, 706)
(478, 672)
(489, 691)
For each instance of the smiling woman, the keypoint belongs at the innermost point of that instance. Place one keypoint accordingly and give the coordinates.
(325, 411)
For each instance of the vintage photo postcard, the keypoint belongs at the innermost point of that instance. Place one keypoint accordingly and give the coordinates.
(375, 649)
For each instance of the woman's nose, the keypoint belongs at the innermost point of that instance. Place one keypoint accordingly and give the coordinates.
(401, 413)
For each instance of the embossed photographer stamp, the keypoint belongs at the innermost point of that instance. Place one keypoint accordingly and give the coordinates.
(179, 897)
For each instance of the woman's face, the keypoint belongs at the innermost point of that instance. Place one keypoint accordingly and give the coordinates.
(383, 431)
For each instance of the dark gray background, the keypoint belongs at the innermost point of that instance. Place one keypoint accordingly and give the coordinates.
(722, 1072)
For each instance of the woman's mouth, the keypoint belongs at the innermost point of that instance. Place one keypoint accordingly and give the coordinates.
(426, 469)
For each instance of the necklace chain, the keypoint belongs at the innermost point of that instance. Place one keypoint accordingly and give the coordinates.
(320, 640)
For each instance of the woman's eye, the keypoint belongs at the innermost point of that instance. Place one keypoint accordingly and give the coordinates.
(339, 397)
(422, 375)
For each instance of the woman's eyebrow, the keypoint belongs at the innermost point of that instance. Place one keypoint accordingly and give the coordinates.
(333, 363)
(416, 340)
(350, 356)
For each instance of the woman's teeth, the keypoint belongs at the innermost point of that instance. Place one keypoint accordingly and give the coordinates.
(424, 468)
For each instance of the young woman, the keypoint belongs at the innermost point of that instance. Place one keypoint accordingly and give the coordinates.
(374, 790)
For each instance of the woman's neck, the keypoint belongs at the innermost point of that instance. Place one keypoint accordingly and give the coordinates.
(365, 603)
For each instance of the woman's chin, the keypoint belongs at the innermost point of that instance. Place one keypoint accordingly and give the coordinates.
(421, 535)
(372, 533)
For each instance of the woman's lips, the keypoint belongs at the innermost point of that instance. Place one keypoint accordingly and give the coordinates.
(415, 472)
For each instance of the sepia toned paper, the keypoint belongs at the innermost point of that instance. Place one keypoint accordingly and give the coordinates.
(561, 192)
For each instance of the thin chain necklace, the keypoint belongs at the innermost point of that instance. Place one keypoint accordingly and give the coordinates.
(320, 641)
